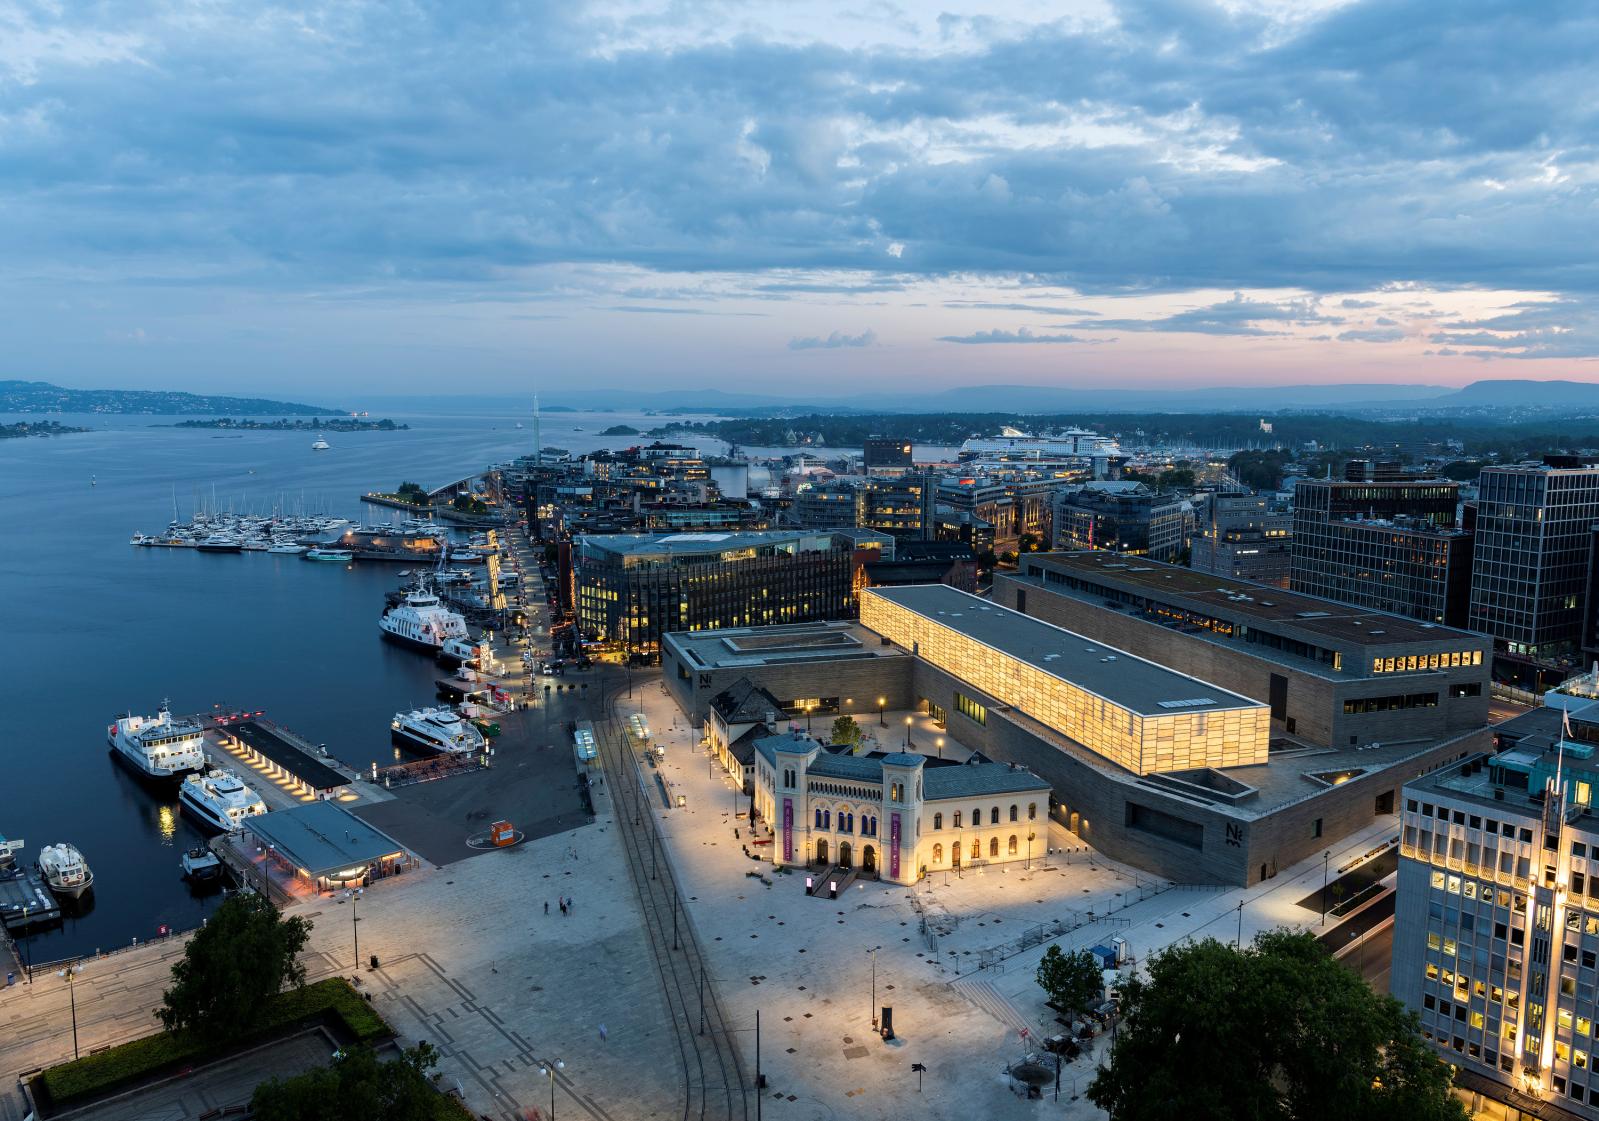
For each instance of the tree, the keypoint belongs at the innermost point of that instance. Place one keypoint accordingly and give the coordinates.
(1276, 1032)
(241, 958)
(1071, 981)
(846, 731)
(355, 1084)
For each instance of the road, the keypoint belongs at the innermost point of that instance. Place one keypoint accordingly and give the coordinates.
(1500, 710)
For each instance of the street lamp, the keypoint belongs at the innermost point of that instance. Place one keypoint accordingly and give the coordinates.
(907, 733)
(548, 1070)
(810, 707)
(1239, 943)
(69, 975)
(881, 701)
(1325, 857)
(873, 953)
(940, 747)
(355, 933)
(1029, 862)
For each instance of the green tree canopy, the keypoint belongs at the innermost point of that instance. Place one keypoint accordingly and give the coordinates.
(845, 730)
(242, 957)
(354, 1085)
(1277, 1032)
(1071, 981)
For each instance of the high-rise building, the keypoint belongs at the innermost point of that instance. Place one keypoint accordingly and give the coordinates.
(1496, 923)
(1383, 540)
(1122, 517)
(1243, 536)
(632, 588)
(1530, 558)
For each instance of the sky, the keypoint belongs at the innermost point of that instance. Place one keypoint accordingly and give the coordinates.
(796, 197)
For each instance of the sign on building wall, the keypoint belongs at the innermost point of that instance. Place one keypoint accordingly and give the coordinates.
(788, 830)
(893, 846)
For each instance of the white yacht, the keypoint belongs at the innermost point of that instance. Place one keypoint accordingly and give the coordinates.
(437, 729)
(221, 543)
(158, 747)
(64, 870)
(292, 547)
(320, 445)
(220, 800)
(420, 620)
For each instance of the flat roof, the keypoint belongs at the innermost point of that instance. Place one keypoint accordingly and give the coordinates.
(1119, 677)
(736, 647)
(313, 772)
(690, 544)
(1260, 602)
(321, 837)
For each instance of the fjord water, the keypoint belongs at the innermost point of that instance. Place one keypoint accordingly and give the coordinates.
(93, 627)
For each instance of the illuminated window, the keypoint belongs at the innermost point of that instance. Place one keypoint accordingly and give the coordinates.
(1013, 844)
(993, 846)
(938, 854)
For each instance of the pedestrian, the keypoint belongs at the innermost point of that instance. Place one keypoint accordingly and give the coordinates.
(603, 1034)
(563, 906)
(546, 906)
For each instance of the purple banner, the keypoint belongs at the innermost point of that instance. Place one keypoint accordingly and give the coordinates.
(893, 846)
(788, 830)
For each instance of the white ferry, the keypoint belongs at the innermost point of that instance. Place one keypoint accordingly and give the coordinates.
(332, 556)
(441, 730)
(420, 620)
(293, 547)
(158, 747)
(64, 870)
(320, 445)
(220, 800)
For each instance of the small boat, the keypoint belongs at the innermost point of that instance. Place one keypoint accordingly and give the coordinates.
(334, 556)
(65, 871)
(200, 865)
(463, 652)
(141, 539)
(293, 548)
(220, 543)
(219, 800)
(320, 445)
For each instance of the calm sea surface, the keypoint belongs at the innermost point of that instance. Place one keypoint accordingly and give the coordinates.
(93, 627)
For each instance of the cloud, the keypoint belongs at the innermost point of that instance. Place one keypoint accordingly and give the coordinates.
(1557, 328)
(1237, 316)
(1357, 304)
(1021, 335)
(834, 341)
(1372, 335)
(1038, 309)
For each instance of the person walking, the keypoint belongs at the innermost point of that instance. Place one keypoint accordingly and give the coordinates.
(546, 906)
(604, 1035)
(563, 906)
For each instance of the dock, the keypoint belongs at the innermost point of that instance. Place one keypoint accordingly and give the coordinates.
(25, 902)
(281, 755)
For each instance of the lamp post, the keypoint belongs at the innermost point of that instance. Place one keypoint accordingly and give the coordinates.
(907, 733)
(881, 702)
(1238, 944)
(69, 975)
(1325, 858)
(355, 932)
(940, 742)
(1028, 864)
(873, 953)
(810, 707)
(548, 1070)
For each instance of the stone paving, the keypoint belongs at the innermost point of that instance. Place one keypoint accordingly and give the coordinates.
(806, 963)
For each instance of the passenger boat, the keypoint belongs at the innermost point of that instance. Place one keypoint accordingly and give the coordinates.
(421, 621)
(220, 800)
(220, 543)
(332, 556)
(293, 548)
(441, 730)
(158, 747)
(65, 871)
(320, 445)
(200, 865)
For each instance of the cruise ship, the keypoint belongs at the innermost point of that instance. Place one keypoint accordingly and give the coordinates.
(441, 730)
(421, 621)
(1011, 444)
(65, 871)
(219, 800)
(158, 747)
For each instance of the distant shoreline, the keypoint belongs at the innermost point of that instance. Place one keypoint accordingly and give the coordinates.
(38, 428)
(317, 424)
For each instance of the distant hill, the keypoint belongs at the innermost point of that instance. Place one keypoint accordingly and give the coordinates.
(42, 397)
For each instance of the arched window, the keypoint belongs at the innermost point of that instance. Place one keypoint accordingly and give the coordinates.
(827, 819)
(977, 850)
(1013, 811)
(1032, 811)
(1013, 844)
(847, 822)
(957, 819)
(938, 854)
(818, 817)
(977, 816)
(993, 846)
(993, 815)
(938, 821)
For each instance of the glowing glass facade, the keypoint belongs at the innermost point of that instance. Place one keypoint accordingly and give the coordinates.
(1192, 730)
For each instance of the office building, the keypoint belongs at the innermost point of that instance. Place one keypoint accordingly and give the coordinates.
(887, 455)
(900, 505)
(1167, 771)
(632, 588)
(1333, 675)
(1242, 536)
(1122, 517)
(1496, 923)
(1530, 559)
(1014, 504)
